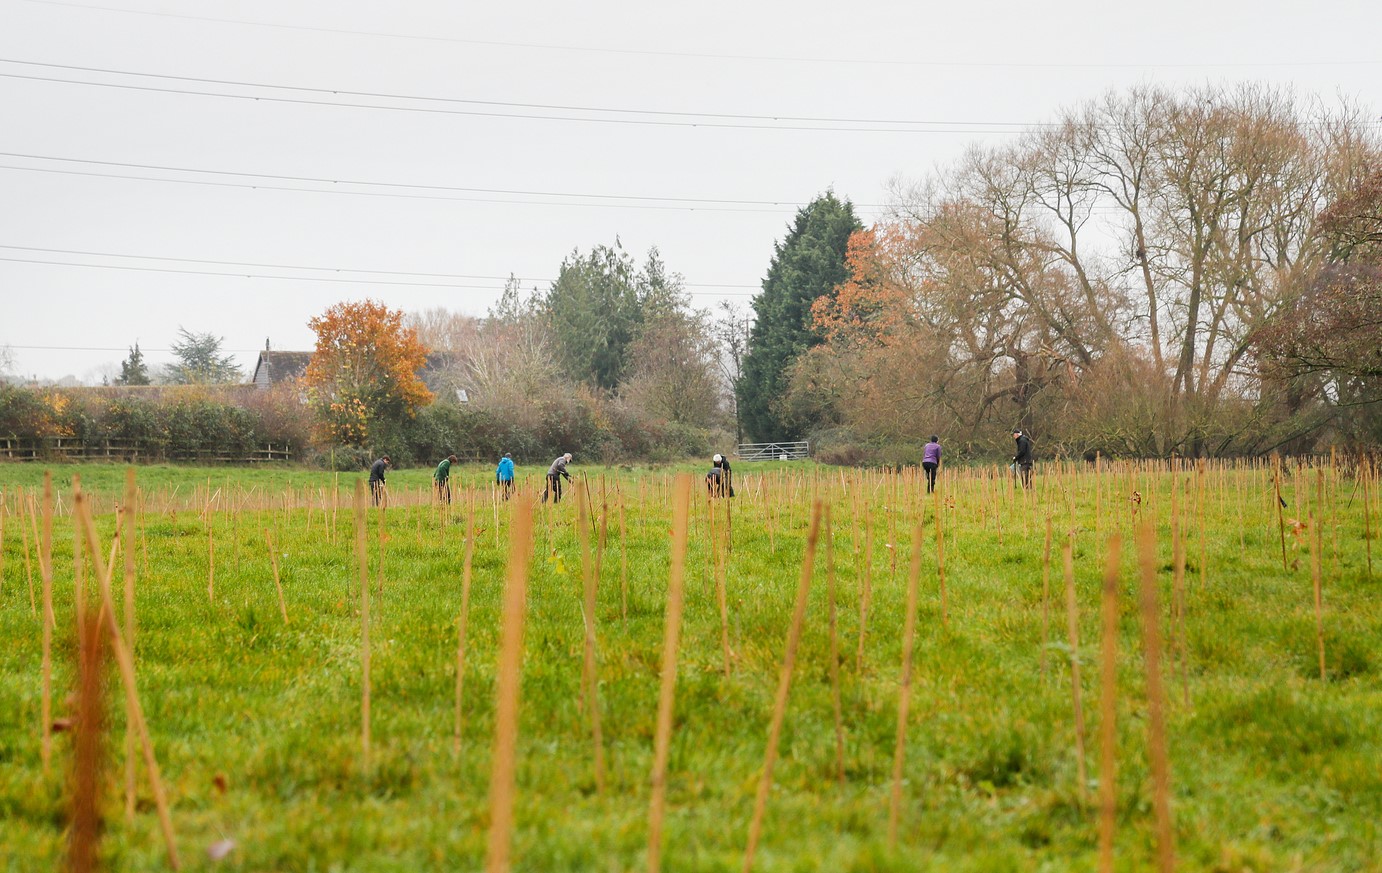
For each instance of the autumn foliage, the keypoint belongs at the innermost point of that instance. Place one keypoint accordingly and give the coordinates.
(364, 372)
(870, 308)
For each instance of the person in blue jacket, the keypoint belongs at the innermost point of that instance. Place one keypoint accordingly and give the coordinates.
(503, 475)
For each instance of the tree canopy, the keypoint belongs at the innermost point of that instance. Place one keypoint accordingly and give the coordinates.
(363, 379)
(1328, 340)
(597, 306)
(133, 370)
(1101, 281)
(200, 360)
(809, 263)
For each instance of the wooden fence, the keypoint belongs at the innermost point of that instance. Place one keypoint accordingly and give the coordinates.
(128, 451)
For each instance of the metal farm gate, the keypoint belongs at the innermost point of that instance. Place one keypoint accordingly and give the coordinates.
(793, 451)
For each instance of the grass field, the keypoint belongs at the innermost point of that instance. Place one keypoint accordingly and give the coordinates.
(257, 723)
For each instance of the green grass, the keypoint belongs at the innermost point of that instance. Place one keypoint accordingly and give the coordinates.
(1272, 769)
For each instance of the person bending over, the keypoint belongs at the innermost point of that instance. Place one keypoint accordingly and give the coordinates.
(555, 474)
(441, 479)
(1022, 458)
(376, 478)
(503, 476)
(720, 480)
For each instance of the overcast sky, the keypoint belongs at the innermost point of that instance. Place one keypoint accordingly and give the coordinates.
(918, 81)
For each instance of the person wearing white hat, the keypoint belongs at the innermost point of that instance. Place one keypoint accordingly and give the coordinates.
(1022, 457)
(719, 481)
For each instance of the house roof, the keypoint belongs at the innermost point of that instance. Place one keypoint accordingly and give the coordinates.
(275, 367)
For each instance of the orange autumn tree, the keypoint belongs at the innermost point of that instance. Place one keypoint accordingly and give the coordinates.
(870, 307)
(363, 378)
(865, 375)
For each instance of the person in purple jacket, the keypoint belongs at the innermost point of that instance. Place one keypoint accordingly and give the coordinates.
(930, 461)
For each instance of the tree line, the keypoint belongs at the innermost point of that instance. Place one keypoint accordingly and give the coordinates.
(1156, 273)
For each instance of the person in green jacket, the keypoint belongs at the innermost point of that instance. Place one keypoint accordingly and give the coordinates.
(441, 479)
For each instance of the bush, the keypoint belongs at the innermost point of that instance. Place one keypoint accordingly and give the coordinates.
(586, 423)
(32, 413)
(175, 423)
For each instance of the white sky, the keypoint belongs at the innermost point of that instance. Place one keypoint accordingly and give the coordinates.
(971, 69)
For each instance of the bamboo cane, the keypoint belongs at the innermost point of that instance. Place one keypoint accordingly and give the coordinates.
(783, 686)
(1156, 700)
(662, 742)
(28, 564)
(45, 567)
(273, 563)
(1045, 597)
(1098, 494)
(904, 698)
(1108, 709)
(78, 566)
(362, 560)
(1280, 519)
(623, 569)
(722, 600)
(127, 519)
(88, 758)
(866, 592)
(462, 622)
(210, 562)
(135, 712)
(940, 555)
(1178, 590)
(1199, 520)
(834, 651)
(507, 686)
(590, 677)
(4, 510)
(382, 528)
(1364, 470)
(1072, 616)
(1316, 546)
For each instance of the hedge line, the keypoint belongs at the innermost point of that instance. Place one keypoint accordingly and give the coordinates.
(233, 421)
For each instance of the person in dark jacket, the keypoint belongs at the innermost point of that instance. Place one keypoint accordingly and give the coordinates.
(376, 478)
(555, 474)
(503, 475)
(720, 480)
(930, 461)
(441, 479)
(1022, 459)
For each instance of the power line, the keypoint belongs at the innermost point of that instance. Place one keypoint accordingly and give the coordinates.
(693, 55)
(709, 201)
(328, 279)
(303, 101)
(394, 194)
(873, 208)
(378, 95)
(394, 185)
(115, 349)
(662, 118)
(252, 265)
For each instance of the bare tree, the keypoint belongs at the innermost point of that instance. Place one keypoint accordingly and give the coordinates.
(729, 329)
(1139, 244)
(672, 370)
